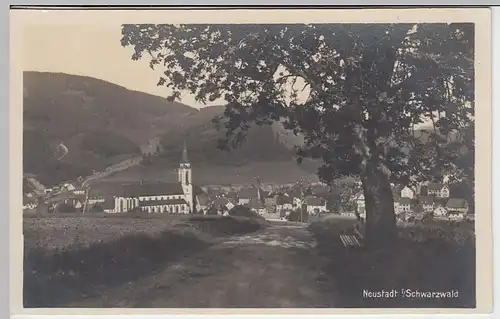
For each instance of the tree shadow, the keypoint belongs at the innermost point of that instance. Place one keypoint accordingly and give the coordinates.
(419, 263)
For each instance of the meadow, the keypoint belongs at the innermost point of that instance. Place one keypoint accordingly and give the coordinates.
(68, 258)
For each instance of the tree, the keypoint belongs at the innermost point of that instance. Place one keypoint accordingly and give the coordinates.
(356, 93)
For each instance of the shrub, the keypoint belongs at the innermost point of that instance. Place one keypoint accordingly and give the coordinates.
(298, 215)
(243, 211)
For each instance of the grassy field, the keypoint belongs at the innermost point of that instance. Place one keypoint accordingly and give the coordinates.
(73, 257)
(434, 257)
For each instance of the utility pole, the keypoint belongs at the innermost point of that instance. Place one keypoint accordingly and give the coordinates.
(301, 181)
(86, 199)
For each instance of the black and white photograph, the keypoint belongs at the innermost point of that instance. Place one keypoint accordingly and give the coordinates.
(316, 163)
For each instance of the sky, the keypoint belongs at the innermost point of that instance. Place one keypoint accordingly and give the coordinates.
(95, 50)
(91, 50)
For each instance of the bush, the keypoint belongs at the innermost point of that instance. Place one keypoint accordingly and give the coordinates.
(295, 216)
(243, 211)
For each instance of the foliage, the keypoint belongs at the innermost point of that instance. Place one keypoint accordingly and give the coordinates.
(355, 92)
(243, 211)
(298, 216)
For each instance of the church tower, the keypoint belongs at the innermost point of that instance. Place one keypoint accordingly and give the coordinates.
(186, 178)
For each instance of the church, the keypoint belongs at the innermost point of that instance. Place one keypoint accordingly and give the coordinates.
(160, 197)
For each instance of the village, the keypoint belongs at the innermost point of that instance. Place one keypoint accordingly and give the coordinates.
(299, 201)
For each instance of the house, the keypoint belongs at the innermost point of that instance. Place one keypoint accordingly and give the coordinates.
(396, 206)
(348, 214)
(79, 191)
(427, 203)
(438, 190)
(407, 192)
(457, 205)
(69, 187)
(456, 216)
(296, 194)
(270, 200)
(202, 202)
(29, 202)
(247, 194)
(222, 204)
(359, 199)
(440, 212)
(470, 216)
(405, 205)
(285, 213)
(315, 205)
(257, 207)
(75, 201)
(160, 197)
(284, 203)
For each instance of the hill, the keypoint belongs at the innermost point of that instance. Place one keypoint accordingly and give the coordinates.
(201, 136)
(76, 124)
(99, 123)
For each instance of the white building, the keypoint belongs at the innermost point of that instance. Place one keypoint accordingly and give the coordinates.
(284, 203)
(440, 212)
(439, 190)
(315, 205)
(160, 197)
(407, 192)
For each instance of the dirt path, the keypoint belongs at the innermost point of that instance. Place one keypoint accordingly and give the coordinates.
(273, 268)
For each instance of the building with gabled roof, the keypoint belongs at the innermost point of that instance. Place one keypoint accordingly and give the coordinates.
(247, 194)
(427, 203)
(457, 205)
(284, 202)
(160, 197)
(315, 205)
(439, 190)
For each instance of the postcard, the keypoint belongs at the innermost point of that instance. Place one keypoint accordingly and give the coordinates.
(251, 161)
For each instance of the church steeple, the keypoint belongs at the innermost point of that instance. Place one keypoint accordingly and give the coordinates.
(185, 154)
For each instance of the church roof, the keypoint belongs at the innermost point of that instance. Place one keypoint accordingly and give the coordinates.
(152, 189)
(158, 202)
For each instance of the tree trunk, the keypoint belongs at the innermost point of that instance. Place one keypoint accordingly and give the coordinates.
(381, 230)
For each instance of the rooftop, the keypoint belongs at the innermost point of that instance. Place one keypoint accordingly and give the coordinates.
(152, 189)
